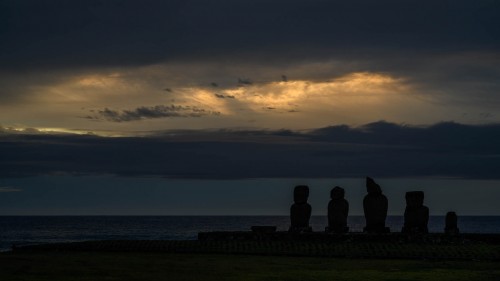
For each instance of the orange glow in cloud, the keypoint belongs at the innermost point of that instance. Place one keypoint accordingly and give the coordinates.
(355, 98)
(353, 88)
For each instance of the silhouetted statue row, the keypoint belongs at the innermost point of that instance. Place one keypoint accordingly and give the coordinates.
(375, 205)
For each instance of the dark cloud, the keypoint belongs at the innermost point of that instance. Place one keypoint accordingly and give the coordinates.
(439, 46)
(133, 32)
(221, 96)
(153, 112)
(9, 189)
(441, 137)
(244, 81)
(116, 32)
(379, 149)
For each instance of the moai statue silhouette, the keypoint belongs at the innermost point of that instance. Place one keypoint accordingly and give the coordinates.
(300, 212)
(416, 214)
(451, 226)
(338, 209)
(375, 206)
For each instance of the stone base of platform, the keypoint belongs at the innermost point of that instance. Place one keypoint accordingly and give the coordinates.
(461, 250)
(432, 238)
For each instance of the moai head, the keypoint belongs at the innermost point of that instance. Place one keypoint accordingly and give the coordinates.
(451, 219)
(337, 193)
(372, 187)
(300, 194)
(414, 199)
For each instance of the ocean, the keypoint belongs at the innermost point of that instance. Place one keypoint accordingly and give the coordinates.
(25, 230)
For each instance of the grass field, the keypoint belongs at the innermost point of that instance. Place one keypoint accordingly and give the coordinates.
(168, 266)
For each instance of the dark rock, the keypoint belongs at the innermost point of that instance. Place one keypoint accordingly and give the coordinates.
(375, 206)
(300, 212)
(338, 209)
(416, 214)
(451, 226)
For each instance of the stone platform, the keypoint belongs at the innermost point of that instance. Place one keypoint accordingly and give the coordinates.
(395, 237)
(351, 245)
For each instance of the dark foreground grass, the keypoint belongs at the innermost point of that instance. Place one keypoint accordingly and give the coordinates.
(168, 266)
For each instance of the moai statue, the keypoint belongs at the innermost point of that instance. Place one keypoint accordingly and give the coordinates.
(300, 212)
(451, 227)
(416, 214)
(375, 207)
(338, 209)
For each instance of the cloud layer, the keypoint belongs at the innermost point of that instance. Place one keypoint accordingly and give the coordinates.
(255, 62)
(9, 189)
(379, 149)
(153, 112)
(97, 33)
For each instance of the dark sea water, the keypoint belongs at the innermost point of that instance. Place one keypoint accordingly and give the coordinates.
(24, 230)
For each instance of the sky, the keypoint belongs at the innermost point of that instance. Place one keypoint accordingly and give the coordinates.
(106, 195)
(219, 90)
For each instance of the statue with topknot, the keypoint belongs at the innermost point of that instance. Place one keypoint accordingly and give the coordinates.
(375, 207)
